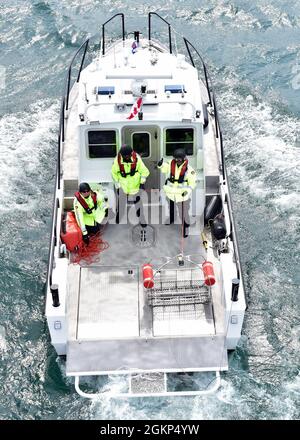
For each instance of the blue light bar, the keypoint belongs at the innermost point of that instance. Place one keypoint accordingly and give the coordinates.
(106, 90)
(175, 88)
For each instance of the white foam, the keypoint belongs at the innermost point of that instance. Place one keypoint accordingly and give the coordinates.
(3, 344)
(25, 138)
(264, 146)
(39, 37)
(216, 11)
(294, 385)
(278, 18)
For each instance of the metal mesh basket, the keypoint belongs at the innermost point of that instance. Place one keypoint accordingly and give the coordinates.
(178, 289)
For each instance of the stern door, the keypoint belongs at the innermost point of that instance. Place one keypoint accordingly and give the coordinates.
(145, 141)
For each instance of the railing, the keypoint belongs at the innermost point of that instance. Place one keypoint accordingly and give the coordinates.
(103, 30)
(219, 134)
(187, 44)
(53, 237)
(228, 200)
(61, 138)
(85, 45)
(149, 28)
(224, 174)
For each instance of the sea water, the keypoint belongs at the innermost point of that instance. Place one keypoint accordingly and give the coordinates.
(252, 50)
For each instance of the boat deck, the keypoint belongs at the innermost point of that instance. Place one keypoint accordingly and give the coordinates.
(111, 324)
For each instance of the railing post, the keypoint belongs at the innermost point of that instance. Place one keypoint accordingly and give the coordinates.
(187, 43)
(170, 39)
(149, 26)
(55, 295)
(62, 119)
(123, 27)
(222, 154)
(189, 52)
(235, 289)
(207, 85)
(58, 163)
(68, 88)
(103, 32)
(83, 58)
(103, 43)
(165, 21)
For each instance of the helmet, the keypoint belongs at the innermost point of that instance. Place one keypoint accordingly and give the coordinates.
(179, 153)
(125, 150)
(84, 187)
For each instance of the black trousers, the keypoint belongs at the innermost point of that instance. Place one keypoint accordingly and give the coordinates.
(91, 230)
(97, 227)
(122, 200)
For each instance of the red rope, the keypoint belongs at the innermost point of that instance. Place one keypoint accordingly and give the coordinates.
(91, 253)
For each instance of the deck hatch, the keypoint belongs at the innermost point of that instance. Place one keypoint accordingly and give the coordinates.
(108, 303)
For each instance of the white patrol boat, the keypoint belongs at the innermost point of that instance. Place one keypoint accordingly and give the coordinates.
(147, 304)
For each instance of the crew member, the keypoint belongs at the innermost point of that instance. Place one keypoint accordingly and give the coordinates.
(181, 180)
(90, 210)
(129, 174)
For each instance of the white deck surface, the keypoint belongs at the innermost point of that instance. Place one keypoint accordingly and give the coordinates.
(183, 320)
(108, 303)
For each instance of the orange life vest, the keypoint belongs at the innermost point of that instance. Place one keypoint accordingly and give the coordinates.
(83, 203)
(132, 168)
(182, 171)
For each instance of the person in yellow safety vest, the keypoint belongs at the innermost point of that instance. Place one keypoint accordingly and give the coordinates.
(181, 180)
(129, 174)
(90, 210)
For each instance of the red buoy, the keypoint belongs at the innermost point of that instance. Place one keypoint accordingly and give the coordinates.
(209, 275)
(148, 276)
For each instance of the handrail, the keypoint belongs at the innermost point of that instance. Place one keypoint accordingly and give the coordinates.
(234, 238)
(210, 390)
(149, 28)
(53, 238)
(62, 119)
(61, 138)
(225, 178)
(219, 135)
(187, 43)
(103, 33)
(70, 70)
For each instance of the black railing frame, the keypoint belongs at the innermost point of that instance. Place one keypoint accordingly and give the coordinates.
(103, 29)
(61, 138)
(169, 28)
(206, 76)
(86, 43)
(53, 237)
(219, 135)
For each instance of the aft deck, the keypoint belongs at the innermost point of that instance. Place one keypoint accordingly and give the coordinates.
(112, 326)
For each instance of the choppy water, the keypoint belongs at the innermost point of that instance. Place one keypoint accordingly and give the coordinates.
(253, 50)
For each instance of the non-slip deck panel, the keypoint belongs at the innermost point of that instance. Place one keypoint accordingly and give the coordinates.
(88, 357)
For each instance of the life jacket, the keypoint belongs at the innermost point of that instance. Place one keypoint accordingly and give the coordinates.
(182, 171)
(83, 203)
(132, 168)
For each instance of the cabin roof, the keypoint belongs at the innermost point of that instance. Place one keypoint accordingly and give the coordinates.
(168, 84)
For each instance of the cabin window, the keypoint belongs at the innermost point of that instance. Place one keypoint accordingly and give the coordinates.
(102, 144)
(141, 143)
(179, 138)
